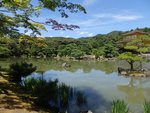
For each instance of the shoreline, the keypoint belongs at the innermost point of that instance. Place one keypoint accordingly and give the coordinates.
(13, 99)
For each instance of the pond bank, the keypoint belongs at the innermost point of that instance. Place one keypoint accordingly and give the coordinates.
(84, 58)
(13, 99)
(135, 73)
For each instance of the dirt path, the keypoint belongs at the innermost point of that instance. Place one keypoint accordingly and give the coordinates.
(13, 99)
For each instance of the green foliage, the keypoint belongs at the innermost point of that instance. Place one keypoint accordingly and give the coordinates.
(22, 11)
(110, 50)
(119, 106)
(131, 47)
(77, 53)
(4, 51)
(99, 45)
(130, 57)
(146, 107)
(51, 93)
(43, 90)
(70, 50)
(19, 70)
(143, 50)
(133, 50)
(64, 92)
(98, 52)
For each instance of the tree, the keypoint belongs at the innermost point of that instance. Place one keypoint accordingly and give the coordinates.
(77, 53)
(99, 52)
(110, 50)
(19, 70)
(66, 50)
(133, 50)
(4, 51)
(130, 58)
(16, 14)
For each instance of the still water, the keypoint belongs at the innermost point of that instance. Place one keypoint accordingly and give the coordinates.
(99, 81)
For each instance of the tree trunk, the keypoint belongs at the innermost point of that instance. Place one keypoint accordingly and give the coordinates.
(140, 65)
(131, 65)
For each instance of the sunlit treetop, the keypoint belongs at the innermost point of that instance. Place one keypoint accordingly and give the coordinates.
(16, 14)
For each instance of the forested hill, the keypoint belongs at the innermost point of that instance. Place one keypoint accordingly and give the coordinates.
(99, 45)
(119, 33)
(113, 34)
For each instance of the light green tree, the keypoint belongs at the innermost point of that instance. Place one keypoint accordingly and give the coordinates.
(134, 49)
(16, 14)
(98, 52)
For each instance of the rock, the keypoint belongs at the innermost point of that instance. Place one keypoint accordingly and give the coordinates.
(66, 65)
(89, 111)
(123, 73)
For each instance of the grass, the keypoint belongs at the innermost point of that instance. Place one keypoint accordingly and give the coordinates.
(119, 106)
(13, 98)
(146, 107)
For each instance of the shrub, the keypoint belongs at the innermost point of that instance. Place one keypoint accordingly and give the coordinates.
(52, 94)
(18, 70)
(64, 93)
(44, 91)
(146, 107)
(119, 106)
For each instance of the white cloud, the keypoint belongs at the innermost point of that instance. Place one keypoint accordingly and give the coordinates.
(90, 34)
(67, 36)
(126, 17)
(103, 15)
(84, 33)
(105, 19)
(88, 24)
(88, 2)
(119, 17)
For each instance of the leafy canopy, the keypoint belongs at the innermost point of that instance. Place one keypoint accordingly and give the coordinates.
(16, 14)
(130, 57)
(133, 50)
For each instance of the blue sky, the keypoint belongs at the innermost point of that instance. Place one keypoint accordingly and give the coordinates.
(103, 16)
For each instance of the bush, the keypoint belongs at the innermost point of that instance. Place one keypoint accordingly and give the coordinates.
(52, 94)
(146, 107)
(119, 106)
(64, 93)
(18, 70)
(44, 91)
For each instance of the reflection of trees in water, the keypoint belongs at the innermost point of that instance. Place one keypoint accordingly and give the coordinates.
(48, 64)
(95, 102)
(135, 91)
(107, 66)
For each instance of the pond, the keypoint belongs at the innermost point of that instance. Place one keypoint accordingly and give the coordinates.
(99, 81)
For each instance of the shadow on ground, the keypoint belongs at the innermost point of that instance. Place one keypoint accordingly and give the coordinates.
(12, 97)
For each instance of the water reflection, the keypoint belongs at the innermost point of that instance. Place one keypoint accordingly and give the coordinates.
(137, 90)
(96, 102)
(48, 64)
(99, 80)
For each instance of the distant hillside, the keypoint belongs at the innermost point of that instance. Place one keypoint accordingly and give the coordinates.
(119, 33)
(111, 34)
(99, 45)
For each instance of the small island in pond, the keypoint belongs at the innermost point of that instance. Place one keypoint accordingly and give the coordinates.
(134, 47)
